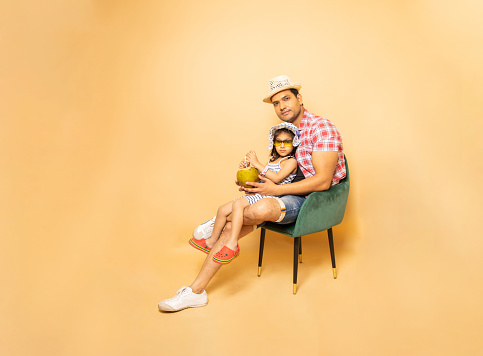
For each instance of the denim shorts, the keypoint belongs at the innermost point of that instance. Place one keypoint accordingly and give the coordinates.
(292, 203)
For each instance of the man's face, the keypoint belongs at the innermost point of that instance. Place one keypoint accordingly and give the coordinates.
(288, 107)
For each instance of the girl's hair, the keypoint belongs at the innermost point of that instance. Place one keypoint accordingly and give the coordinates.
(274, 154)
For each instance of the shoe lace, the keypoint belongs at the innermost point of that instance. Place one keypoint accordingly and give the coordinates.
(209, 225)
(182, 291)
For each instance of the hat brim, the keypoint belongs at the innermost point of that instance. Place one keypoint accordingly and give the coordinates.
(268, 98)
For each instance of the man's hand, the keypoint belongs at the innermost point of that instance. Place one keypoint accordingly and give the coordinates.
(242, 188)
(264, 187)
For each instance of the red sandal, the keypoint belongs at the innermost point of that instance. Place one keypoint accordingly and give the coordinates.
(226, 255)
(200, 245)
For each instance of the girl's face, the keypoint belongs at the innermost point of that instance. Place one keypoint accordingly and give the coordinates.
(284, 142)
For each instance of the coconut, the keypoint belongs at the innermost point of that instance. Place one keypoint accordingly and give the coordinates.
(249, 174)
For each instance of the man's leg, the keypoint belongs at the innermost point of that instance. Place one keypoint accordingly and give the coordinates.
(263, 210)
(195, 295)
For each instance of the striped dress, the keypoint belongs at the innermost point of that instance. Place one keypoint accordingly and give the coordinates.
(274, 167)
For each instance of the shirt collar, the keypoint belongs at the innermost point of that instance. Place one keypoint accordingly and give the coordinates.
(303, 122)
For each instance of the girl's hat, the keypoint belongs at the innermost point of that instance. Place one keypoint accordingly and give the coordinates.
(288, 126)
(278, 84)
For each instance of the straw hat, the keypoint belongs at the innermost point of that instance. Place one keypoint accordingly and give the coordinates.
(284, 125)
(279, 84)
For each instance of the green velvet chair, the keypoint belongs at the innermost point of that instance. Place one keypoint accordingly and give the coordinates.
(320, 211)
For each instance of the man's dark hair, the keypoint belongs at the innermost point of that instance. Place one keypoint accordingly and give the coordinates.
(295, 92)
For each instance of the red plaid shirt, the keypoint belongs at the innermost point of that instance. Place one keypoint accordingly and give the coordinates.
(319, 134)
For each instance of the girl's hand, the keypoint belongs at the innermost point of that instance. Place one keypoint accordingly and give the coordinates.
(253, 159)
(243, 164)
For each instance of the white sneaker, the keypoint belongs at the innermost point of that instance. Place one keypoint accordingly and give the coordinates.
(205, 230)
(184, 298)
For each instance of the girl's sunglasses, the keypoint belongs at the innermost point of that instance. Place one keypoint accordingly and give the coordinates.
(286, 143)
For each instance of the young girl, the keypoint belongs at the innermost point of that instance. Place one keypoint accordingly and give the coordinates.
(281, 169)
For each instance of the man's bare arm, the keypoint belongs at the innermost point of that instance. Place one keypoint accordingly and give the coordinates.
(324, 163)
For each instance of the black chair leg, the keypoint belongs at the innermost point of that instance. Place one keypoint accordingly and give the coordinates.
(332, 254)
(296, 246)
(260, 251)
(300, 250)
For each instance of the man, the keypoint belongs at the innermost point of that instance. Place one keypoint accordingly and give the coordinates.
(320, 158)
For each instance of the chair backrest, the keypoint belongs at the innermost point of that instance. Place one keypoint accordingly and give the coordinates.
(323, 210)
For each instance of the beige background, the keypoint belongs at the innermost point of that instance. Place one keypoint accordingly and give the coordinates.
(121, 127)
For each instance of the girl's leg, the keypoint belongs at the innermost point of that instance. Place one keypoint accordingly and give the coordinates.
(221, 215)
(238, 207)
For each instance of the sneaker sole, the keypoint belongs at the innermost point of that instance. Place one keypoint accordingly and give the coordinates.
(176, 310)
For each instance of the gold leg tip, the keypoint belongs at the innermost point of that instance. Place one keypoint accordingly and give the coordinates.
(300, 258)
(334, 271)
(294, 289)
(259, 271)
